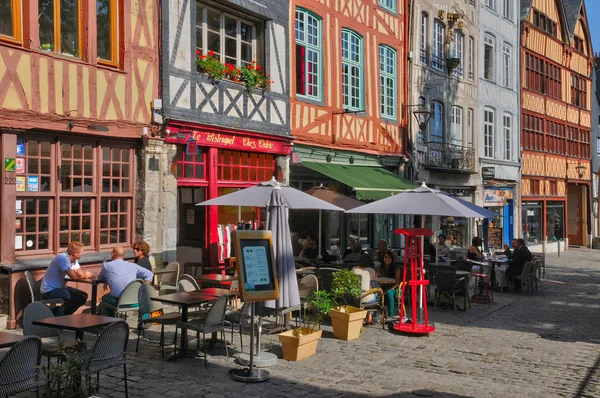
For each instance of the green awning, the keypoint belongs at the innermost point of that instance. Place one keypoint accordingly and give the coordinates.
(370, 183)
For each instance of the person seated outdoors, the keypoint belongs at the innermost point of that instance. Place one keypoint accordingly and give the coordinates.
(366, 274)
(53, 283)
(389, 269)
(355, 255)
(351, 243)
(429, 249)
(117, 274)
(382, 248)
(141, 250)
(521, 255)
(296, 245)
(311, 250)
(441, 247)
(507, 252)
(474, 251)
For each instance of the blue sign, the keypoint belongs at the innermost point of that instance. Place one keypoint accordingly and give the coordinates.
(20, 147)
(32, 184)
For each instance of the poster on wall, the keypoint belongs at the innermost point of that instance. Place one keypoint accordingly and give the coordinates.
(32, 184)
(20, 184)
(20, 147)
(19, 207)
(20, 166)
(18, 243)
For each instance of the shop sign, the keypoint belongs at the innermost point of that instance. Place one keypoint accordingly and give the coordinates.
(488, 173)
(20, 147)
(235, 142)
(295, 157)
(191, 148)
(20, 165)
(9, 164)
(20, 184)
(32, 184)
(496, 197)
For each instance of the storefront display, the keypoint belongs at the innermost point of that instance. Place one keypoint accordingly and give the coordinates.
(554, 221)
(532, 222)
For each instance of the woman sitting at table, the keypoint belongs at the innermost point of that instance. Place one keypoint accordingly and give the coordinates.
(141, 250)
(474, 251)
(389, 269)
(366, 275)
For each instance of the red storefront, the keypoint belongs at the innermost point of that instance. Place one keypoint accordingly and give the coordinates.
(210, 163)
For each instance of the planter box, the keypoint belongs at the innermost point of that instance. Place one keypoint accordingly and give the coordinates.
(298, 348)
(347, 322)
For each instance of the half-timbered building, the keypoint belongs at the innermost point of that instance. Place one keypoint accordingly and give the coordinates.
(76, 80)
(556, 68)
(224, 131)
(348, 91)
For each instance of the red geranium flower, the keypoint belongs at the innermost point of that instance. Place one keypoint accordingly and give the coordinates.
(211, 53)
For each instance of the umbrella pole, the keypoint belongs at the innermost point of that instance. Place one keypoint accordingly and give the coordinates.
(319, 239)
(420, 315)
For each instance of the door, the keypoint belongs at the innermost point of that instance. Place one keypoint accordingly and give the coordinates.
(575, 214)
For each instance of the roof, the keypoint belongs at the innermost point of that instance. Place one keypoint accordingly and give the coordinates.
(572, 9)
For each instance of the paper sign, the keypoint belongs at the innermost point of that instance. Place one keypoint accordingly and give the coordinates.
(257, 266)
(32, 184)
(20, 166)
(18, 243)
(9, 164)
(189, 216)
(20, 184)
(18, 224)
(20, 147)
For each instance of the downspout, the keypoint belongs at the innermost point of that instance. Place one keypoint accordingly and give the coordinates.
(409, 9)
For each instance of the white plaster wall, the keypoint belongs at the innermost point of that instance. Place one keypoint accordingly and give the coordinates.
(180, 16)
(278, 68)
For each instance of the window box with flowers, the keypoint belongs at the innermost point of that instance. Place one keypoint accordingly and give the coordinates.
(252, 76)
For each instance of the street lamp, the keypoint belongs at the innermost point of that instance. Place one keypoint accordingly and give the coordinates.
(580, 169)
(423, 117)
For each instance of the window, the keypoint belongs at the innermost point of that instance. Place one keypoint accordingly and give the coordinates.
(534, 70)
(389, 5)
(244, 167)
(578, 44)
(471, 57)
(423, 38)
(470, 127)
(507, 127)
(437, 122)
(456, 51)
(507, 10)
(553, 81)
(439, 34)
(555, 137)
(488, 60)
(506, 66)
(421, 134)
(352, 70)
(490, 3)
(107, 28)
(543, 22)
(10, 20)
(488, 133)
(456, 125)
(232, 39)
(533, 133)
(578, 91)
(190, 166)
(387, 77)
(598, 146)
(60, 27)
(88, 182)
(308, 54)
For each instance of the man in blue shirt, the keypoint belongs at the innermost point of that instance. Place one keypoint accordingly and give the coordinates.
(53, 283)
(117, 274)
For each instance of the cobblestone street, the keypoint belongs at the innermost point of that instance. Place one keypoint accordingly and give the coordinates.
(541, 345)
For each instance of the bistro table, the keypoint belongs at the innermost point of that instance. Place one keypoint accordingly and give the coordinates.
(184, 300)
(162, 271)
(383, 280)
(94, 282)
(9, 339)
(216, 292)
(216, 278)
(77, 322)
(494, 261)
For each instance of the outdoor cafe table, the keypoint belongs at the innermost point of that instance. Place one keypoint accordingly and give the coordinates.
(216, 292)
(215, 278)
(382, 280)
(94, 282)
(76, 322)
(184, 300)
(162, 271)
(494, 261)
(9, 339)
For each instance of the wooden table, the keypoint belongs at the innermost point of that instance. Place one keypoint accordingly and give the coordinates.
(9, 339)
(383, 280)
(94, 282)
(77, 322)
(184, 300)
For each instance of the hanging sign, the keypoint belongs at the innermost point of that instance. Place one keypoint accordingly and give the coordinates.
(191, 147)
(20, 165)
(295, 157)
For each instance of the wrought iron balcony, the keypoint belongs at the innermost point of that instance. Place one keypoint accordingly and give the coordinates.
(450, 158)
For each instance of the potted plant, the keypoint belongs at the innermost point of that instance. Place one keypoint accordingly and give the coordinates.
(302, 342)
(65, 377)
(347, 316)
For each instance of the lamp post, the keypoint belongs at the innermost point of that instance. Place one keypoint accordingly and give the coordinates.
(423, 117)
(580, 168)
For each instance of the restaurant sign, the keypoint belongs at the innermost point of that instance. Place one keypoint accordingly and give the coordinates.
(231, 141)
(496, 197)
(488, 173)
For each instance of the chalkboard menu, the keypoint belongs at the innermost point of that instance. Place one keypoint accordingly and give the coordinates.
(257, 274)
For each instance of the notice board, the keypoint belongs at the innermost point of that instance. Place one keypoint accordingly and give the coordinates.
(257, 274)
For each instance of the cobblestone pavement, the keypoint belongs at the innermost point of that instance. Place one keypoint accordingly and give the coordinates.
(545, 344)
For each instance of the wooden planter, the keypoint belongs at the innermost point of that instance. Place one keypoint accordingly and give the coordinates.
(298, 348)
(347, 322)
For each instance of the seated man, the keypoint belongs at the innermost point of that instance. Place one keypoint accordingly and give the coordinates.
(355, 255)
(366, 275)
(118, 273)
(296, 245)
(53, 283)
(521, 255)
(441, 247)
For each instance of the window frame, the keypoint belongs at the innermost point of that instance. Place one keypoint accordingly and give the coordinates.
(17, 21)
(456, 125)
(488, 132)
(490, 4)
(438, 60)
(507, 131)
(317, 49)
(506, 65)
(507, 9)
(457, 51)
(470, 115)
(578, 91)
(57, 32)
(389, 52)
(115, 24)
(349, 64)
(391, 8)
(437, 108)
(423, 35)
(471, 58)
(489, 41)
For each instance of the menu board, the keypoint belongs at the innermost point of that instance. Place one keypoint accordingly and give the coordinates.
(257, 275)
(495, 238)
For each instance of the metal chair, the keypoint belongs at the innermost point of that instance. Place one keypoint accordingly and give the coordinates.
(168, 282)
(109, 351)
(50, 337)
(18, 368)
(187, 283)
(533, 275)
(214, 322)
(36, 295)
(192, 268)
(128, 301)
(377, 305)
(448, 286)
(147, 310)
(524, 277)
(241, 318)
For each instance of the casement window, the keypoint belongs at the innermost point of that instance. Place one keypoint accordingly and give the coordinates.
(456, 123)
(578, 44)
(488, 57)
(107, 23)
(352, 70)
(436, 131)
(232, 39)
(309, 66)
(507, 130)
(578, 142)
(506, 65)
(438, 59)
(389, 5)
(488, 133)
(544, 23)
(456, 51)
(533, 133)
(470, 60)
(73, 191)
(60, 26)
(555, 138)
(507, 10)
(387, 78)
(578, 91)
(534, 73)
(470, 128)
(490, 3)
(423, 53)
(553, 81)
(10, 20)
